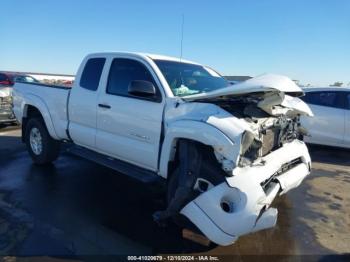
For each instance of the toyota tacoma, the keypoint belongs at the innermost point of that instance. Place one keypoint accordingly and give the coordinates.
(225, 151)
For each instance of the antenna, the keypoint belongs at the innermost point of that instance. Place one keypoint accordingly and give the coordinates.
(182, 34)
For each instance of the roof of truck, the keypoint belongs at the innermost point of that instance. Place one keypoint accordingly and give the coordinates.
(168, 58)
(152, 56)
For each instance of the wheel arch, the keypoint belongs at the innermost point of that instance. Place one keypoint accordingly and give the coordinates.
(196, 131)
(34, 107)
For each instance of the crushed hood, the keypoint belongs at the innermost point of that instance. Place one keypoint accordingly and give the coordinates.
(276, 90)
(5, 91)
(263, 83)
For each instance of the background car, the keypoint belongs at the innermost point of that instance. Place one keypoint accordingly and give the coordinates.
(5, 80)
(9, 79)
(6, 112)
(331, 122)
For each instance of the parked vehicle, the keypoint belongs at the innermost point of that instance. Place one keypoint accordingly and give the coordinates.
(5, 79)
(225, 152)
(331, 124)
(6, 113)
(9, 79)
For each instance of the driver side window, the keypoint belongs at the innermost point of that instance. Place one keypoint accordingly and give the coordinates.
(123, 71)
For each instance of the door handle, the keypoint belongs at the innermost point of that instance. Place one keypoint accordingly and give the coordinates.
(104, 106)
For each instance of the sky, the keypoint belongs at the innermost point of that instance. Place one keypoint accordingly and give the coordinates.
(305, 40)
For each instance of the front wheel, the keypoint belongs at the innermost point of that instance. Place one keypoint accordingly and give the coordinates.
(42, 148)
(173, 184)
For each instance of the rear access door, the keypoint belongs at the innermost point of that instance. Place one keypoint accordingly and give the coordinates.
(82, 103)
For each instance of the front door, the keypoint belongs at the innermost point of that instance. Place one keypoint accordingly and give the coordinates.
(128, 126)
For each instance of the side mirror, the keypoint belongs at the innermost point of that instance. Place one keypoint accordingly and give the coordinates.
(141, 88)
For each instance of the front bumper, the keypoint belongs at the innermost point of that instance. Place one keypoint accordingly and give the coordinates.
(241, 205)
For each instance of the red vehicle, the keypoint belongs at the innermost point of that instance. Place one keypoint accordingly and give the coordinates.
(5, 79)
(9, 79)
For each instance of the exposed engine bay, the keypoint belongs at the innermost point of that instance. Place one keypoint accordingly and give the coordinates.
(272, 125)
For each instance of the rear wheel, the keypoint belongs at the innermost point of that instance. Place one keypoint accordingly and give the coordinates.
(42, 148)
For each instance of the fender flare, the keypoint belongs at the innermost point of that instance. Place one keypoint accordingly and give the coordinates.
(38, 103)
(196, 131)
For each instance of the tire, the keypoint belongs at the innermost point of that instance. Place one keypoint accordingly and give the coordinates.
(42, 148)
(172, 185)
(210, 170)
(180, 220)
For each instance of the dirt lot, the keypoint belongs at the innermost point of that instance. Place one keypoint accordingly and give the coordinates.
(75, 208)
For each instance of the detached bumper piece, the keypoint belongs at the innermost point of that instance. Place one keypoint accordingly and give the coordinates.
(241, 205)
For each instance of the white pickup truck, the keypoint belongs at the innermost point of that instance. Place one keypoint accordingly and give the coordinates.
(224, 151)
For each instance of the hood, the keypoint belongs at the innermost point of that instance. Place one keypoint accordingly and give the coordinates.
(263, 83)
(5, 91)
(276, 89)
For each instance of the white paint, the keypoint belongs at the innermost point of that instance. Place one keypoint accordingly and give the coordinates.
(131, 130)
(5, 91)
(330, 126)
(245, 192)
(263, 83)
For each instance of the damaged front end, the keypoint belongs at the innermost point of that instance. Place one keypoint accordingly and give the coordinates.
(241, 204)
(269, 159)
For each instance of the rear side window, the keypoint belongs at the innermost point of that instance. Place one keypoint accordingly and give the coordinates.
(122, 72)
(91, 75)
(348, 100)
(329, 99)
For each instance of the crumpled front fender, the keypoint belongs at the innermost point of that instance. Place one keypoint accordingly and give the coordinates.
(195, 131)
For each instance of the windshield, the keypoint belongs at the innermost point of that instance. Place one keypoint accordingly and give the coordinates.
(188, 79)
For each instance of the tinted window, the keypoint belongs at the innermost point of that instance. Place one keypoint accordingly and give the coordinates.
(348, 100)
(329, 99)
(91, 75)
(122, 72)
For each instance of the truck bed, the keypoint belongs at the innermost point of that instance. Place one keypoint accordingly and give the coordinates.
(53, 101)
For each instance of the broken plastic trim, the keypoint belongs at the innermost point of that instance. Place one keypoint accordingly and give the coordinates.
(284, 168)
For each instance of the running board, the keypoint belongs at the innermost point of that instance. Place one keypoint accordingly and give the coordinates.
(138, 173)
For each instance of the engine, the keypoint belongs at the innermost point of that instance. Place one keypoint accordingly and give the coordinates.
(270, 131)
